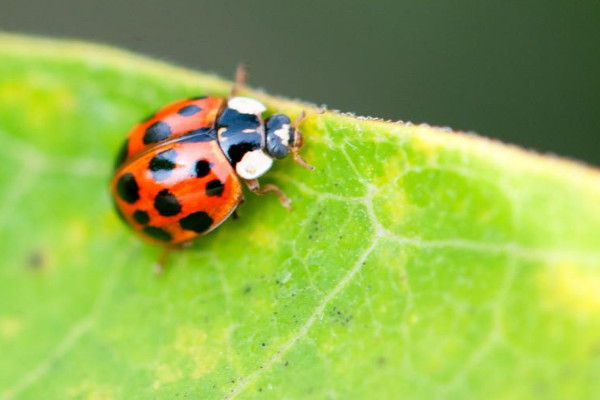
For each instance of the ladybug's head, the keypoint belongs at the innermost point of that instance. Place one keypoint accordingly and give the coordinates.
(281, 136)
(284, 138)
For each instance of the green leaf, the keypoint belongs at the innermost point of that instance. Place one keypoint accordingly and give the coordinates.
(417, 262)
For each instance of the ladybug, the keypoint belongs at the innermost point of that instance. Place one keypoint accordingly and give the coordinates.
(178, 175)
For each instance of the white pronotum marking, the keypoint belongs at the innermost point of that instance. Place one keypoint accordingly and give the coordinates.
(253, 164)
(245, 105)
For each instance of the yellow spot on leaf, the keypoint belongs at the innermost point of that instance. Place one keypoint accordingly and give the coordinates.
(413, 319)
(166, 374)
(192, 355)
(426, 150)
(9, 327)
(193, 343)
(394, 208)
(264, 236)
(92, 391)
(572, 287)
(76, 234)
(41, 96)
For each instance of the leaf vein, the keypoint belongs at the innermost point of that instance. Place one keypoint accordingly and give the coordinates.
(305, 328)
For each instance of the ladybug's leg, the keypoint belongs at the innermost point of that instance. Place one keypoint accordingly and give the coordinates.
(159, 267)
(254, 186)
(299, 141)
(236, 213)
(240, 80)
(162, 260)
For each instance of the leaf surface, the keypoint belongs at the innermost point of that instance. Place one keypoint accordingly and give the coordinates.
(417, 262)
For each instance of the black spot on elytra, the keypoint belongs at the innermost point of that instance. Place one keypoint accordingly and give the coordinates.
(128, 189)
(215, 188)
(157, 233)
(141, 217)
(123, 152)
(199, 135)
(198, 222)
(189, 110)
(202, 168)
(156, 132)
(166, 204)
(162, 164)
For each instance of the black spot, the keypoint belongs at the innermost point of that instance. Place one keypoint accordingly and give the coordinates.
(197, 98)
(199, 135)
(141, 217)
(189, 110)
(122, 156)
(202, 168)
(156, 132)
(162, 164)
(157, 233)
(198, 222)
(166, 204)
(239, 133)
(235, 120)
(128, 189)
(215, 188)
(237, 151)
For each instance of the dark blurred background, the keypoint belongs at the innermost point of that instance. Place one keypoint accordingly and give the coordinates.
(524, 71)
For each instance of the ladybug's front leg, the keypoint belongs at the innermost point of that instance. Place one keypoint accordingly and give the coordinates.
(254, 186)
